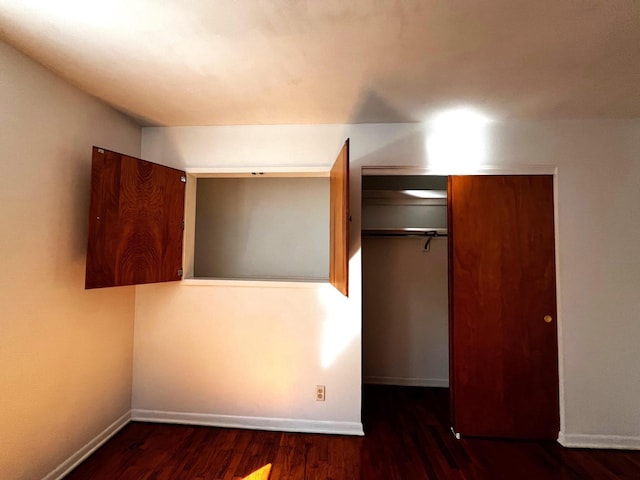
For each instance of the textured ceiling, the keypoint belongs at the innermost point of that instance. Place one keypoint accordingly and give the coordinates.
(221, 62)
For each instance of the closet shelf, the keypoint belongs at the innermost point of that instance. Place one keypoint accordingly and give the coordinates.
(405, 197)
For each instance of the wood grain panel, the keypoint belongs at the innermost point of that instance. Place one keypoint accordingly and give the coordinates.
(103, 219)
(504, 356)
(135, 223)
(450, 229)
(339, 222)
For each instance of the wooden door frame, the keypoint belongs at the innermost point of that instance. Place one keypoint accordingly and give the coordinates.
(376, 170)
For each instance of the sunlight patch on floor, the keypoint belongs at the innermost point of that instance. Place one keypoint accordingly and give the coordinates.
(260, 474)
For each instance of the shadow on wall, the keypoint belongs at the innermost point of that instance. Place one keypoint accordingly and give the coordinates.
(79, 169)
(393, 154)
(454, 140)
(373, 108)
(342, 319)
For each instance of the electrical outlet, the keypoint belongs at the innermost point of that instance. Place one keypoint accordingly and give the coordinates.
(319, 393)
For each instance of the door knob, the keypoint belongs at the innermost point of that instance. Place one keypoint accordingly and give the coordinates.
(548, 318)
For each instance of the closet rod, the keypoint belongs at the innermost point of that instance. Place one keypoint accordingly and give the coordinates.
(405, 232)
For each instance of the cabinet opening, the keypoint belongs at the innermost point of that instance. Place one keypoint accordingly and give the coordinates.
(261, 228)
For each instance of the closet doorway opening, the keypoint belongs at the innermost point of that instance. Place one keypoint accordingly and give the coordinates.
(405, 326)
(459, 291)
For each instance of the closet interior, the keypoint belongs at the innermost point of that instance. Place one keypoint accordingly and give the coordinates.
(405, 280)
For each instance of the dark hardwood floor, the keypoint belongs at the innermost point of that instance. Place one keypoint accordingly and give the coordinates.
(407, 438)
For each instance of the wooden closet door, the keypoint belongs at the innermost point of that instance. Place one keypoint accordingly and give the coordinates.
(339, 222)
(135, 221)
(503, 336)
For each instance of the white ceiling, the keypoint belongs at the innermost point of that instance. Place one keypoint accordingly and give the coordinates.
(220, 62)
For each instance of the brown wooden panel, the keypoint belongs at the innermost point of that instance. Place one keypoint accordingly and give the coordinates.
(339, 222)
(450, 227)
(135, 221)
(504, 355)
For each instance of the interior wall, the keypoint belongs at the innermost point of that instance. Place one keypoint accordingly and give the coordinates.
(262, 227)
(65, 353)
(405, 305)
(598, 230)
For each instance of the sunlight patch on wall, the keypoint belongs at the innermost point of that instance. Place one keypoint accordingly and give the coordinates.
(457, 140)
(341, 324)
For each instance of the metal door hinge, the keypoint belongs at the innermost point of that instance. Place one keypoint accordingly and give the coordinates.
(182, 224)
(100, 150)
(180, 272)
(183, 179)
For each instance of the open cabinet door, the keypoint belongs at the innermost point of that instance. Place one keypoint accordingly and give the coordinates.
(339, 222)
(135, 221)
(503, 335)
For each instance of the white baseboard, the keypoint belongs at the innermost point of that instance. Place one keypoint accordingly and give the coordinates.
(407, 382)
(253, 423)
(617, 442)
(74, 460)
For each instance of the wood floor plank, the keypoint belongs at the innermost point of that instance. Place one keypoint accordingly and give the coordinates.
(407, 438)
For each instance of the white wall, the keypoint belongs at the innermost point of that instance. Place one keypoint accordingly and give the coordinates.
(65, 353)
(405, 322)
(182, 333)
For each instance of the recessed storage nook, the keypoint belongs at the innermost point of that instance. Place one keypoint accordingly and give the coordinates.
(260, 226)
(283, 225)
(405, 281)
